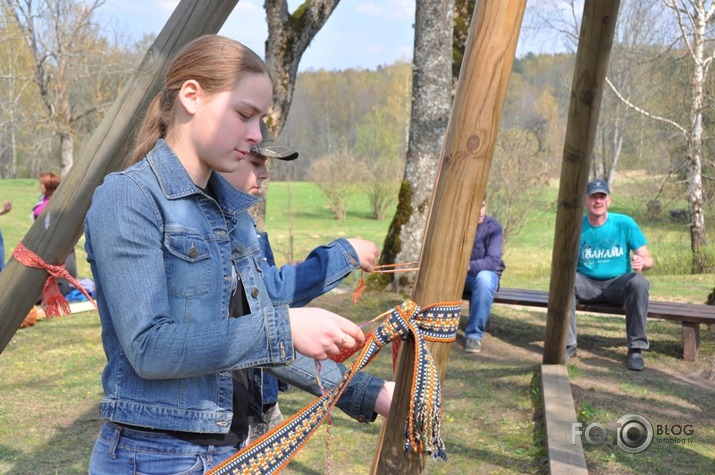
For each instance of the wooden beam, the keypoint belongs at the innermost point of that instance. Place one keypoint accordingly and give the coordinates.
(456, 202)
(565, 448)
(57, 230)
(598, 25)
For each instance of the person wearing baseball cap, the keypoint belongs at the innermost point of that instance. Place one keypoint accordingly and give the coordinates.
(296, 284)
(611, 259)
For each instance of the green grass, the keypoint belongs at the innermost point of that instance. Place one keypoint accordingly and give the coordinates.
(493, 414)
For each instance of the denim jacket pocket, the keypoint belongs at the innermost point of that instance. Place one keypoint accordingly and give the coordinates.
(187, 263)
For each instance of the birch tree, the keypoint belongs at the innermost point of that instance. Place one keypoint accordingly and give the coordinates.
(694, 18)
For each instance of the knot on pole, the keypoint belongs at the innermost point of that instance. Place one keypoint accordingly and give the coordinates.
(53, 302)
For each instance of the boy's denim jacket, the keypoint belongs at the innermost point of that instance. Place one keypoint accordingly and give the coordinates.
(164, 257)
(296, 285)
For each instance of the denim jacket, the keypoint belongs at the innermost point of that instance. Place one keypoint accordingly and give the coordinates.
(323, 269)
(165, 257)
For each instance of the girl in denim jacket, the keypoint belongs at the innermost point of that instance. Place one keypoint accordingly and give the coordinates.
(175, 260)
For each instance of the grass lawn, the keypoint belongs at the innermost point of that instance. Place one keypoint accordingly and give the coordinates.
(492, 421)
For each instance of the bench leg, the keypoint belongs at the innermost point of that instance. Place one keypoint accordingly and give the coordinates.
(691, 340)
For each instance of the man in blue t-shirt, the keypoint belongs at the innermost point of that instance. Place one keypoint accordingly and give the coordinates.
(612, 255)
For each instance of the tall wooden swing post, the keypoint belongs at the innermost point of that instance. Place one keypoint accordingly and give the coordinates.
(459, 189)
(598, 25)
(58, 229)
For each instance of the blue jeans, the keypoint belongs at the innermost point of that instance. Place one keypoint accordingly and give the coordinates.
(121, 451)
(482, 288)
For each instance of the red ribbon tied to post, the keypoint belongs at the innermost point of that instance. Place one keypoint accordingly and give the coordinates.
(53, 302)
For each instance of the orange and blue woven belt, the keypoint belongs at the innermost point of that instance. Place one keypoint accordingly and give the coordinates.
(438, 323)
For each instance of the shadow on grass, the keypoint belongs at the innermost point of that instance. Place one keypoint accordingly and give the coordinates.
(665, 392)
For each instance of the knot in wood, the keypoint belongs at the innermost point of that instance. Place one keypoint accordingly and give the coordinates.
(587, 96)
(473, 142)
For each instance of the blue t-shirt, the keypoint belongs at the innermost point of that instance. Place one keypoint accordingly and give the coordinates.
(605, 251)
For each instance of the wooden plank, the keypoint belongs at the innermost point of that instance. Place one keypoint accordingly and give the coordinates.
(461, 180)
(676, 311)
(598, 25)
(565, 450)
(75, 307)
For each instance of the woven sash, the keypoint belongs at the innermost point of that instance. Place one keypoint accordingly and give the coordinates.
(439, 323)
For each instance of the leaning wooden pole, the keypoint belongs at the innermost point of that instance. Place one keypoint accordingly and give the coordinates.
(58, 229)
(459, 189)
(598, 25)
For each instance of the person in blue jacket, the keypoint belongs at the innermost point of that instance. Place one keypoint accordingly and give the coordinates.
(186, 317)
(485, 269)
(296, 284)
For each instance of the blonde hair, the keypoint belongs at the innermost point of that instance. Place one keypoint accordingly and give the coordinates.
(217, 63)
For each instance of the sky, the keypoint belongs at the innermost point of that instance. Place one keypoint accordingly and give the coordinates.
(359, 34)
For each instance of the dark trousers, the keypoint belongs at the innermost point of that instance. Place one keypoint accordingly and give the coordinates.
(631, 290)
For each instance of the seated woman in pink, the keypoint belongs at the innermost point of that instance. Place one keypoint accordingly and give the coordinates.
(48, 184)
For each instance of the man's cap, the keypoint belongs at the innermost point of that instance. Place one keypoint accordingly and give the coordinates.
(272, 149)
(597, 186)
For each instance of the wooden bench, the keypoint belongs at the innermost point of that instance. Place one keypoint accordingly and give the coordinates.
(689, 314)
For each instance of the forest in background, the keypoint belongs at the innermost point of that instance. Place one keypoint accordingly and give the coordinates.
(352, 125)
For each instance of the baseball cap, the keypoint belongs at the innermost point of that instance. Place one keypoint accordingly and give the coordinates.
(597, 186)
(272, 149)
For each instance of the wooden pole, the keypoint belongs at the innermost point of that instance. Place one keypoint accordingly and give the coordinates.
(57, 230)
(598, 25)
(456, 202)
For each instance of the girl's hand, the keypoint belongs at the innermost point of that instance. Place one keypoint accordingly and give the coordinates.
(6, 207)
(318, 333)
(366, 251)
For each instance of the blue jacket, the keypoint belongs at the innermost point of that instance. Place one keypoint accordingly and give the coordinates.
(165, 257)
(296, 285)
(488, 247)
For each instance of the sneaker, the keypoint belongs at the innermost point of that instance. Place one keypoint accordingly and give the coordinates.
(473, 345)
(634, 361)
(571, 352)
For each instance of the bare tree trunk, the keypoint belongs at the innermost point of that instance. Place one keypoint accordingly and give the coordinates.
(289, 35)
(431, 102)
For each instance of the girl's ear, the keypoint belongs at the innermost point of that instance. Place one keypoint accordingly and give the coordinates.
(189, 95)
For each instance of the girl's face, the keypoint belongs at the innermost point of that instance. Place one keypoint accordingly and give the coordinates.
(216, 131)
(249, 175)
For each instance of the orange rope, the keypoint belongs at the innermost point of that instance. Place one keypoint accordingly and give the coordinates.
(383, 269)
(53, 302)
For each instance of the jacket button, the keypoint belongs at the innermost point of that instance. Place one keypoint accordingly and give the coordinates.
(361, 418)
(239, 248)
(254, 293)
(193, 252)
